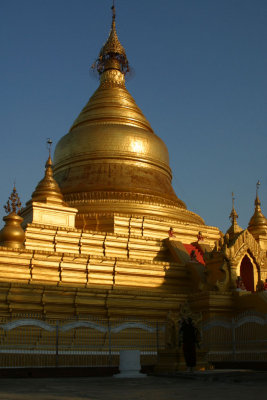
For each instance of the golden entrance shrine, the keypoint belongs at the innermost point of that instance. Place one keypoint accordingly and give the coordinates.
(104, 256)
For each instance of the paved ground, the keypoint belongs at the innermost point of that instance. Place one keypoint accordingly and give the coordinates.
(227, 385)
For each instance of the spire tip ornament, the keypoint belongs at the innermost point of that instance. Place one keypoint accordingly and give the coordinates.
(13, 203)
(233, 216)
(113, 11)
(234, 229)
(112, 56)
(49, 160)
(257, 186)
(12, 234)
(49, 143)
(257, 200)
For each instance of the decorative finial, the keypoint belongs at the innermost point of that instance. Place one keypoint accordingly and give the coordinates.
(113, 11)
(49, 145)
(257, 200)
(257, 188)
(233, 200)
(234, 229)
(13, 203)
(233, 216)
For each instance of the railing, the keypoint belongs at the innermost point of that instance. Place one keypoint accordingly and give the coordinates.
(32, 342)
(243, 338)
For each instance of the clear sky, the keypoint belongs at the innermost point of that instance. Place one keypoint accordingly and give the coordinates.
(200, 70)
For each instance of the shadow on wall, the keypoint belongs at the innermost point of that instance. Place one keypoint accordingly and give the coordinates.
(186, 273)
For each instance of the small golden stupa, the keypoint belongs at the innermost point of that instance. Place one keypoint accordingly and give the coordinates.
(258, 224)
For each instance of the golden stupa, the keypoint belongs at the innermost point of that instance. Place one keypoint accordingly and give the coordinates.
(96, 236)
(111, 161)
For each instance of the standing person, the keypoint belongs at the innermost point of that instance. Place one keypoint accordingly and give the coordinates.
(189, 337)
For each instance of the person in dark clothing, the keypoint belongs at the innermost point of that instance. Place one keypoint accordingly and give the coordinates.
(189, 337)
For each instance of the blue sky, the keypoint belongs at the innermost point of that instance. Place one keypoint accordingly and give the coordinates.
(200, 69)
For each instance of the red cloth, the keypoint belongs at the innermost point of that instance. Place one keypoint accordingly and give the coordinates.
(199, 256)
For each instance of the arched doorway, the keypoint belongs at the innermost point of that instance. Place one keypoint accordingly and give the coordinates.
(246, 273)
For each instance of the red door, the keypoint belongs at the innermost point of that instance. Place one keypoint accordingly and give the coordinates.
(246, 273)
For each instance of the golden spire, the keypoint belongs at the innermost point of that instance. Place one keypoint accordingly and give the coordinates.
(12, 235)
(47, 189)
(234, 228)
(258, 223)
(112, 55)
